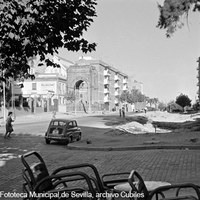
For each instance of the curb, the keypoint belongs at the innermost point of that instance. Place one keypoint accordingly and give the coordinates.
(129, 148)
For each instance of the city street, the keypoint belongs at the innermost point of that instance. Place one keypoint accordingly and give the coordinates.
(175, 166)
(123, 77)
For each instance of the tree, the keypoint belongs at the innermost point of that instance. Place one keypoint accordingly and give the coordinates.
(132, 97)
(124, 97)
(183, 100)
(30, 28)
(172, 13)
(136, 96)
(196, 106)
(162, 106)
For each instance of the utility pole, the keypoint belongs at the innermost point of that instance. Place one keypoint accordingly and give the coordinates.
(75, 100)
(4, 101)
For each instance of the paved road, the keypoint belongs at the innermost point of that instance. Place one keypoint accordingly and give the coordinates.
(166, 165)
(174, 166)
(38, 124)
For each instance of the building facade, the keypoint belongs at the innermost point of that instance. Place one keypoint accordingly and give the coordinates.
(47, 91)
(87, 85)
(97, 85)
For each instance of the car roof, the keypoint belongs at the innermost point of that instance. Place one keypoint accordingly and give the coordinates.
(63, 120)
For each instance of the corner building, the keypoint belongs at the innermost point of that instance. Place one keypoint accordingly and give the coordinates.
(97, 86)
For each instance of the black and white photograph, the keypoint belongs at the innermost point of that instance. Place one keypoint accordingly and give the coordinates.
(100, 99)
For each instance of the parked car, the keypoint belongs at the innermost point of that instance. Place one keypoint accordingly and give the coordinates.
(63, 130)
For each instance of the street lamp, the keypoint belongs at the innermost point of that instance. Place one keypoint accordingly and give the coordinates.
(4, 101)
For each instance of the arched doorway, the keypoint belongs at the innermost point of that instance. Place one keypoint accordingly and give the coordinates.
(82, 96)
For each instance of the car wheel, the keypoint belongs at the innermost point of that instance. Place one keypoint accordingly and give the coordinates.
(79, 137)
(47, 141)
(70, 139)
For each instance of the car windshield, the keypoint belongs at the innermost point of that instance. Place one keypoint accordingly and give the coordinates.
(58, 123)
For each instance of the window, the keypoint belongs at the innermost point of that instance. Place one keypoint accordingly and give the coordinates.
(55, 123)
(34, 86)
(72, 124)
(62, 123)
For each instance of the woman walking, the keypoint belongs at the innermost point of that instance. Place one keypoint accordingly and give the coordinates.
(9, 126)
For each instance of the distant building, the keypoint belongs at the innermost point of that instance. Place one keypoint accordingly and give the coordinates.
(136, 85)
(46, 92)
(97, 85)
(93, 84)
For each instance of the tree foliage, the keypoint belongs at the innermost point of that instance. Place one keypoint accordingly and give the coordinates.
(172, 14)
(162, 106)
(183, 100)
(132, 97)
(30, 28)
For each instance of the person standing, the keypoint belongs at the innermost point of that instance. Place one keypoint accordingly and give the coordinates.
(9, 126)
(120, 112)
(123, 112)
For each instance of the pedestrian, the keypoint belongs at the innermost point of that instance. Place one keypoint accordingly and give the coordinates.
(9, 126)
(120, 112)
(123, 111)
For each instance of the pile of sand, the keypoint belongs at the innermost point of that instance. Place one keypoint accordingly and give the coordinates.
(137, 128)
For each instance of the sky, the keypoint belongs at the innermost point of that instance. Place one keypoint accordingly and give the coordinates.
(127, 39)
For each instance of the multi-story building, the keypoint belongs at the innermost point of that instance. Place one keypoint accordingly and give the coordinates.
(96, 84)
(48, 89)
(85, 85)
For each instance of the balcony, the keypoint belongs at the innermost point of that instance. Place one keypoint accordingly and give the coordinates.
(116, 77)
(116, 101)
(116, 93)
(106, 73)
(125, 87)
(106, 99)
(198, 76)
(116, 85)
(125, 80)
(106, 81)
(197, 84)
(106, 90)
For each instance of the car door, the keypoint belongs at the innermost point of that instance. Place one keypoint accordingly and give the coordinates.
(76, 130)
(70, 130)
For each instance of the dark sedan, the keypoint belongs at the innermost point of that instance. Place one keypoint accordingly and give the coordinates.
(63, 130)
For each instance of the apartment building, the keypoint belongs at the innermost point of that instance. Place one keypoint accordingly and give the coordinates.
(92, 84)
(97, 85)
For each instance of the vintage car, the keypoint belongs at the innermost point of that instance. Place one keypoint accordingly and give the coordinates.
(63, 130)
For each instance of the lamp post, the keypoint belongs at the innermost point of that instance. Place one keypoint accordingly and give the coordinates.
(4, 101)
(13, 96)
(75, 99)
